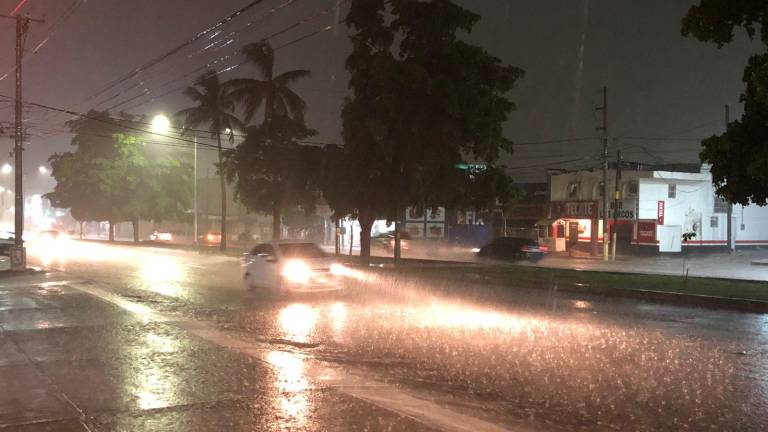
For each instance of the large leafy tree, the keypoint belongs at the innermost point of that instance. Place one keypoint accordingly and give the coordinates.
(111, 176)
(271, 92)
(739, 157)
(272, 172)
(423, 101)
(214, 108)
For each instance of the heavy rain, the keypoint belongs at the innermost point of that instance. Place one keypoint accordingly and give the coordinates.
(403, 215)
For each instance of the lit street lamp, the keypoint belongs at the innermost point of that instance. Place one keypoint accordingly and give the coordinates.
(43, 170)
(7, 168)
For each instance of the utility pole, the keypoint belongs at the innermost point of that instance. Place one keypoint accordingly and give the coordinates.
(194, 191)
(18, 253)
(604, 129)
(616, 198)
(729, 215)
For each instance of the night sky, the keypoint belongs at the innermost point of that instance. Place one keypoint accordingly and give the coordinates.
(665, 91)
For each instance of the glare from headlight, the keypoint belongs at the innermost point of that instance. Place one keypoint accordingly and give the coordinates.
(475, 250)
(297, 271)
(338, 269)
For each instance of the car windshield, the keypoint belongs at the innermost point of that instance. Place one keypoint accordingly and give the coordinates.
(301, 250)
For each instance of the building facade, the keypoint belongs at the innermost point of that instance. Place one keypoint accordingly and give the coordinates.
(657, 207)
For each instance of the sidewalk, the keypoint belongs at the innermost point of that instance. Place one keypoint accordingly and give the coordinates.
(737, 265)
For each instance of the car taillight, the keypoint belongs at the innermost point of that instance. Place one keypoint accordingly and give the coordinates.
(544, 248)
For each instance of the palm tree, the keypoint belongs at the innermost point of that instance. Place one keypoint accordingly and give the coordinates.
(215, 106)
(273, 92)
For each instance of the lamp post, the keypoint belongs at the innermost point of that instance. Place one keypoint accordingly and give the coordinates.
(162, 125)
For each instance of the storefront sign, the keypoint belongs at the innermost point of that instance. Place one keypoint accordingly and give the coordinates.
(660, 213)
(627, 210)
(646, 232)
(573, 210)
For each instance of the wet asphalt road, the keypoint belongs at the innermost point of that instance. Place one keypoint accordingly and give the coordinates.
(522, 360)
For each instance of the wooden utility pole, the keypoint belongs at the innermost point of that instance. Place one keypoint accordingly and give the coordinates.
(18, 252)
(616, 203)
(606, 189)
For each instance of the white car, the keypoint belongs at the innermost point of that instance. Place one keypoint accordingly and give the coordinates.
(292, 266)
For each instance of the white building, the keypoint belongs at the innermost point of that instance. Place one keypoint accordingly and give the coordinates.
(657, 206)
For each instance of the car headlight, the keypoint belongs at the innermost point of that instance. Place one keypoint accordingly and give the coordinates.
(338, 269)
(297, 271)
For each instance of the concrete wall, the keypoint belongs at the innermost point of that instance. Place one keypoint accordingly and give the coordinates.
(588, 183)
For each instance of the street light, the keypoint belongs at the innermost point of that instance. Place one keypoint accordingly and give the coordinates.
(43, 170)
(7, 168)
(162, 125)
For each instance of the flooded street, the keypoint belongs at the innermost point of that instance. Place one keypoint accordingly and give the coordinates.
(163, 329)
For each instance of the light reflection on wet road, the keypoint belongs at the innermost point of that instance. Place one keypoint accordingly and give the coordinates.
(558, 360)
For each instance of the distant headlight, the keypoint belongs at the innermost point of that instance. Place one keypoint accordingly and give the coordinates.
(475, 250)
(297, 271)
(338, 269)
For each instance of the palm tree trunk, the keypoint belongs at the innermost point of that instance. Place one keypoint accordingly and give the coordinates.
(269, 103)
(111, 231)
(277, 226)
(223, 244)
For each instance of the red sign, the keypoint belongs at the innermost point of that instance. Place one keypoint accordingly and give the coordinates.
(646, 232)
(660, 213)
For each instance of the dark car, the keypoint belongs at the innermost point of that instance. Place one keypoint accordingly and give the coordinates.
(513, 249)
(386, 241)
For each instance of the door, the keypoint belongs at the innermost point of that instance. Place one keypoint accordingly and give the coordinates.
(623, 237)
(573, 233)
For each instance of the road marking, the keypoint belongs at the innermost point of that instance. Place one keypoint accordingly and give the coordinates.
(377, 393)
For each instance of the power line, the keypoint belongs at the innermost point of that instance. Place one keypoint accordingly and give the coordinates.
(211, 45)
(154, 61)
(236, 53)
(63, 17)
(555, 141)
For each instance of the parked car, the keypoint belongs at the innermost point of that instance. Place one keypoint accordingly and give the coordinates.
(513, 249)
(386, 241)
(7, 240)
(291, 266)
(161, 236)
(210, 238)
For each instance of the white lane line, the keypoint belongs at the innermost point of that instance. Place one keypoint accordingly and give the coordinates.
(374, 392)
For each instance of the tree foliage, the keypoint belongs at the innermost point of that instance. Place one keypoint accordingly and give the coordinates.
(114, 176)
(422, 101)
(271, 171)
(214, 108)
(270, 168)
(270, 91)
(739, 157)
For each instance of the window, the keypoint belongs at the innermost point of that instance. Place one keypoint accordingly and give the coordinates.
(573, 190)
(631, 189)
(301, 250)
(713, 221)
(263, 249)
(721, 205)
(671, 190)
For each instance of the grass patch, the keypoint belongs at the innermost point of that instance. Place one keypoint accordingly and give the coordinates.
(597, 282)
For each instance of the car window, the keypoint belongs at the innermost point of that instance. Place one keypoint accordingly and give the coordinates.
(301, 250)
(263, 249)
